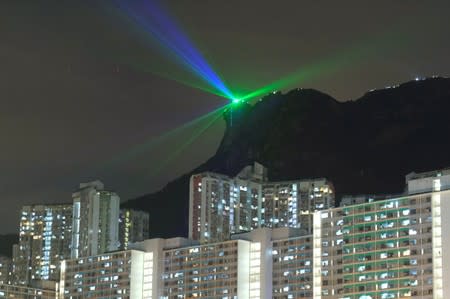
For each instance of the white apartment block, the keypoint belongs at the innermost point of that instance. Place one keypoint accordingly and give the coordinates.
(384, 249)
(220, 206)
(113, 275)
(95, 228)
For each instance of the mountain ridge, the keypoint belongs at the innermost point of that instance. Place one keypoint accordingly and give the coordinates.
(363, 146)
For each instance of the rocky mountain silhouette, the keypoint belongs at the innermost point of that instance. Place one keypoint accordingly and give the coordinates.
(365, 146)
(6, 243)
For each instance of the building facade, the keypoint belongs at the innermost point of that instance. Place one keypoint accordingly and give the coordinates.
(112, 275)
(208, 271)
(95, 220)
(172, 268)
(44, 241)
(5, 270)
(292, 272)
(382, 249)
(221, 206)
(45, 291)
(133, 227)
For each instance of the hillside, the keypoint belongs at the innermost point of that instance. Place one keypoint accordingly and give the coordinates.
(6, 243)
(362, 146)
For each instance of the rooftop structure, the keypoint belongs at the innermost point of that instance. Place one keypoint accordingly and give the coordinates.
(428, 181)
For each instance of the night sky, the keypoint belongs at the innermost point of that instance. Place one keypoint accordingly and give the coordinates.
(84, 89)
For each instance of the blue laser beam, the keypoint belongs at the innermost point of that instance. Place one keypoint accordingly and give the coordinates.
(154, 20)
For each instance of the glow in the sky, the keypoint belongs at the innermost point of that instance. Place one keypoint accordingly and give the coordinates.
(178, 133)
(156, 22)
(212, 119)
(327, 66)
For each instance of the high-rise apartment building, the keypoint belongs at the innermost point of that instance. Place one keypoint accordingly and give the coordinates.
(172, 268)
(95, 220)
(5, 270)
(392, 248)
(221, 206)
(44, 241)
(110, 275)
(229, 269)
(382, 249)
(133, 227)
(16, 258)
(292, 203)
(42, 291)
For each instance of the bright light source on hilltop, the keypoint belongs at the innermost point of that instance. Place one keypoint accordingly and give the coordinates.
(237, 101)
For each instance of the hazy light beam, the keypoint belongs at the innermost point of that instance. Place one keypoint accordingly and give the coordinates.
(329, 66)
(148, 146)
(152, 18)
(186, 144)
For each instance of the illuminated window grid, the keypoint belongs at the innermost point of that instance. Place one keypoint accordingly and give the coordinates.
(148, 276)
(255, 209)
(292, 268)
(221, 205)
(43, 242)
(207, 271)
(5, 268)
(196, 208)
(437, 243)
(255, 270)
(385, 248)
(98, 277)
(12, 291)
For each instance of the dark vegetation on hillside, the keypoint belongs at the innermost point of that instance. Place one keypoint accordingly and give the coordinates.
(364, 146)
(6, 243)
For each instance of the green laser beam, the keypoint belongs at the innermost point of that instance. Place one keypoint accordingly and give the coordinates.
(154, 142)
(186, 144)
(328, 66)
(331, 65)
